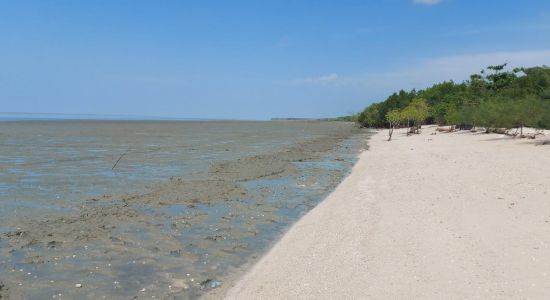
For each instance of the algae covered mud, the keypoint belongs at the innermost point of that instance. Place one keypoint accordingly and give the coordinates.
(155, 209)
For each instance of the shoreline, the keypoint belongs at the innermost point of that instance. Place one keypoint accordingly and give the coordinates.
(476, 215)
(234, 275)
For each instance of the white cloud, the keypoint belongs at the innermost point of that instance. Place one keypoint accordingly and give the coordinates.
(325, 79)
(158, 80)
(460, 67)
(427, 72)
(427, 2)
(330, 77)
(501, 28)
(422, 73)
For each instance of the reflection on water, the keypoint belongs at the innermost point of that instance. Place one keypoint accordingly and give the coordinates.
(178, 249)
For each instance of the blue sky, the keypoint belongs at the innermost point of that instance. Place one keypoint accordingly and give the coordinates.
(251, 59)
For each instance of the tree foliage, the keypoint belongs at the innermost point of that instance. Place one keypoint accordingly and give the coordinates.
(393, 117)
(496, 97)
(418, 111)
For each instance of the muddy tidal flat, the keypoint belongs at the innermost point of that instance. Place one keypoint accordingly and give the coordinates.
(155, 209)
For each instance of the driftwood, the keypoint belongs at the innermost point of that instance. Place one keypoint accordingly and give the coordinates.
(508, 133)
(497, 130)
(527, 135)
(413, 130)
(116, 163)
(531, 136)
(444, 130)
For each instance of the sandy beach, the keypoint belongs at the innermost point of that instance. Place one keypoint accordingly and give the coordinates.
(447, 216)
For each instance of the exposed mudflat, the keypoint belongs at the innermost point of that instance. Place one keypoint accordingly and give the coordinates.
(174, 237)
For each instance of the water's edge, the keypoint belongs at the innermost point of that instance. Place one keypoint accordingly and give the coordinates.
(231, 277)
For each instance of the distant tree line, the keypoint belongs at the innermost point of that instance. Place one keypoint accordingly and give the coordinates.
(495, 98)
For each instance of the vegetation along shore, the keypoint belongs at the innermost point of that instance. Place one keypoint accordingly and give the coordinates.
(495, 98)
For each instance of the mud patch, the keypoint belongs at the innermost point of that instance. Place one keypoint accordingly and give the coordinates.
(179, 237)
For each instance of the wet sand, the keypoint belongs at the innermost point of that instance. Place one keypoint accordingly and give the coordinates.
(221, 183)
(179, 237)
(447, 216)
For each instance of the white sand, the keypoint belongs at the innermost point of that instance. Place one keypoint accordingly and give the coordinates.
(446, 216)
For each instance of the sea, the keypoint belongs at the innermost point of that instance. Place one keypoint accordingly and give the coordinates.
(113, 208)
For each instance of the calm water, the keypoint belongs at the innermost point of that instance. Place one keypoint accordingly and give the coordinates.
(50, 169)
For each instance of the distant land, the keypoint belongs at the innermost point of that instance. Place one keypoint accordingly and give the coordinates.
(293, 119)
(25, 116)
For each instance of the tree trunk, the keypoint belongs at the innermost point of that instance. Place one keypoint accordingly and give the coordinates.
(390, 132)
(521, 131)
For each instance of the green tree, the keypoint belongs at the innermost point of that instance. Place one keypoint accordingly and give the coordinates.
(527, 111)
(407, 114)
(452, 116)
(393, 117)
(369, 116)
(492, 98)
(489, 114)
(418, 111)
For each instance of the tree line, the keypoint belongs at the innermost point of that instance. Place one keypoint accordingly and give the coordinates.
(494, 98)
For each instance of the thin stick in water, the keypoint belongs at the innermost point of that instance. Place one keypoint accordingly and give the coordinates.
(116, 163)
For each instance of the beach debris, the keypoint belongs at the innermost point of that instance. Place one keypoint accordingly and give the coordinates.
(210, 283)
(2, 288)
(116, 163)
(496, 130)
(214, 284)
(54, 244)
(531, 136)
(205, 283)
(214, 237)
(444, 129)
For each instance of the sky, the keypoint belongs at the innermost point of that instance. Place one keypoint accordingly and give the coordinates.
(252, 59)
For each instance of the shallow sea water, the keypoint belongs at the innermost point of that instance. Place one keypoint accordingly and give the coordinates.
(179, 249)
